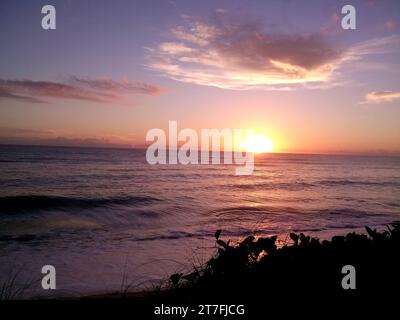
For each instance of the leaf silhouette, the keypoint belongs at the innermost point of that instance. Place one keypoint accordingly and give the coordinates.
(222, 243)
(370, 232)
(294, 237)
(175, 278)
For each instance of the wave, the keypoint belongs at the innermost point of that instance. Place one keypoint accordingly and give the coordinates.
(296, 186)
(15, 204)
(290, 212)
(332, 183)
(290, 186)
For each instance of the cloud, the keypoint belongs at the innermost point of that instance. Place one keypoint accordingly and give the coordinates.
(243, 55)
(84, 89)
(121, 86)
(381, 96)
(9, 131)
(6, 93)
(27, 136)
(373, 46)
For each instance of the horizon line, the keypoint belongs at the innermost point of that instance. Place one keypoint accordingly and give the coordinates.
(132, 147)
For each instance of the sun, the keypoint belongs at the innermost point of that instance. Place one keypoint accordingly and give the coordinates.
(257, 144)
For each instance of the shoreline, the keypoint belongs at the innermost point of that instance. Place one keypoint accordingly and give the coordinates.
(254, 278)
(168, 289)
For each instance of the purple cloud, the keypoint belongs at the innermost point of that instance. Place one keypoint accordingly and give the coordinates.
(85, 89)
(244, 55)
(121, 86)
(375, 97)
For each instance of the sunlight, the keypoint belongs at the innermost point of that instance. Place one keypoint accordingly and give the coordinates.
(257, 144)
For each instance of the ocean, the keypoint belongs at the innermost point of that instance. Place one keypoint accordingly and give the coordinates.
(109, 221)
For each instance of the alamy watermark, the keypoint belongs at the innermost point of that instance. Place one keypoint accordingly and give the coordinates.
(49, 18)
(49, 280)
(186, 147)
(348, 21)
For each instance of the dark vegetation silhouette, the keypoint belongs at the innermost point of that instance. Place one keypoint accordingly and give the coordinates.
(260, 270)
(300, 276)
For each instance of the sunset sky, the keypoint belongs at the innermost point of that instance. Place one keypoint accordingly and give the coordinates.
(114, 69)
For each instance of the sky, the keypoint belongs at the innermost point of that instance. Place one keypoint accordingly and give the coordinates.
(112, 70)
